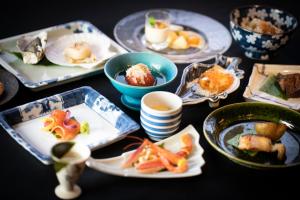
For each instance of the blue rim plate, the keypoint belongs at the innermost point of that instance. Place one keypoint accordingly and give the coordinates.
(46, 74)
(107, 122)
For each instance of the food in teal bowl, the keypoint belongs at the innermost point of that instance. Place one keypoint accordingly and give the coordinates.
(136, 74)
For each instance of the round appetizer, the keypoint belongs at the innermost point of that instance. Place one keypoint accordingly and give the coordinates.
(1, 88)
(79, 52)
(139, 75)
(86, 50)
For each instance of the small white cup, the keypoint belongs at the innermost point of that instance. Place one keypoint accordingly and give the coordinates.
(160, 114)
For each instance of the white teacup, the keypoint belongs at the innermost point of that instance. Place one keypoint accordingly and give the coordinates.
(160, 114)
(69, 162)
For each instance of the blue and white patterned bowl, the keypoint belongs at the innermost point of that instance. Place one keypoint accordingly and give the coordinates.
(261, 46)
(160, 114)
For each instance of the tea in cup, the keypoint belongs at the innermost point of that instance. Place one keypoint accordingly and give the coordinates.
(160, 114)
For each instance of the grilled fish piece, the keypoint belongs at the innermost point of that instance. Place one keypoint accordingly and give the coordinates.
(260, 143)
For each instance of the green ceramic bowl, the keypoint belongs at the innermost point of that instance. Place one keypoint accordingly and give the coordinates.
(226, 122)
(160, 66)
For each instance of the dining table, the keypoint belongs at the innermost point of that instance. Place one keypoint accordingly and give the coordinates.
(24, 177)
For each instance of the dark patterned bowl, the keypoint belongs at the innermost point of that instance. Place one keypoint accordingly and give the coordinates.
(226, 122)
(256, 45)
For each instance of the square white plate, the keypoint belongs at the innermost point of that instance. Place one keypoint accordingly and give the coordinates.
(257, 78)
(107, 122)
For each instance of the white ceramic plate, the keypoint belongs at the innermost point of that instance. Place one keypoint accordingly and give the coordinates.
(195, 160)
(98, 43)
(257, 78)
(46, 74)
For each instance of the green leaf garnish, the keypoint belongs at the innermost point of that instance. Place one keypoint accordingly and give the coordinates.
(271, 86)
(235, 143)
(152, 21)
(250, 153)
(44, 61)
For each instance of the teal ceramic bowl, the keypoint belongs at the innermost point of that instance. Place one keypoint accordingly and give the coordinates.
(131, 95)
(225, 123)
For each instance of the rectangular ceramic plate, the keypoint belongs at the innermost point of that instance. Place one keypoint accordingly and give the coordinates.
(107, 122)
(257, 78)
(44, 75)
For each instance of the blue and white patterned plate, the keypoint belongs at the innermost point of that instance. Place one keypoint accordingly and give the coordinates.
(46, 74)
(129, 32)
(107, 122)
